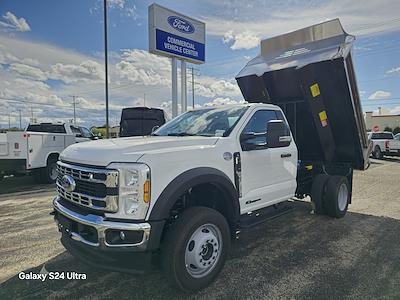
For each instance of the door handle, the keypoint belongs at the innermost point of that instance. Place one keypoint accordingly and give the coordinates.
(284, 155)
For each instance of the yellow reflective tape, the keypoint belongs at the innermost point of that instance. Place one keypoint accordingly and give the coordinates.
(322, 116)
(315, 90)
(309, 167)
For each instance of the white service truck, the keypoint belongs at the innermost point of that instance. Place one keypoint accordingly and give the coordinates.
(384, 143)
(37, 149)
(178, 198)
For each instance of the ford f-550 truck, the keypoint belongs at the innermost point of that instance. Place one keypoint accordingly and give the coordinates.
(178, 198)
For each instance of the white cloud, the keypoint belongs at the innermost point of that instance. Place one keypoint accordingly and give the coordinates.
(28, 71)
(14, 23)
(269, 18)
(141, 67)
(379, 95)
(243, 40)
(132, 73)
(394, 71)
(88, 70)
(116, 3)
(395, 110)
(223, 101)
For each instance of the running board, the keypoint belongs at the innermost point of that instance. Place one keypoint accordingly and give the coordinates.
(264, 214)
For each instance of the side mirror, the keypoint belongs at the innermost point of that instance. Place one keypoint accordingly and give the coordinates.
(278, 134)
(247, 146)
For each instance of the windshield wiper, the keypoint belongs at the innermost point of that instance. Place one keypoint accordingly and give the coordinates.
(181, 134)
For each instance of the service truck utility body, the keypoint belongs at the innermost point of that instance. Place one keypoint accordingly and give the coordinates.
(37, 149)
(181, 194)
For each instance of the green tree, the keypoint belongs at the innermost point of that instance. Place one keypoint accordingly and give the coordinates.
(387, 128)
(396, 130)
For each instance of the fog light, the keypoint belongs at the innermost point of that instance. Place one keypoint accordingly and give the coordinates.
(118, 237)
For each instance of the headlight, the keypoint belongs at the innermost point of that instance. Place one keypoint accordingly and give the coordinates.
(134, 188)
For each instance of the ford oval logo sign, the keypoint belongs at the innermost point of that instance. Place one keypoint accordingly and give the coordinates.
(68, 183)
(180, 24)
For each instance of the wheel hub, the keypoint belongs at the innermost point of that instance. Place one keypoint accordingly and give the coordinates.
(342, 197)
(203, 250)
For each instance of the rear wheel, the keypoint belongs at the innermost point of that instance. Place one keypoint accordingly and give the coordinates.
(195, 248)
(337, 196)
(47, 174)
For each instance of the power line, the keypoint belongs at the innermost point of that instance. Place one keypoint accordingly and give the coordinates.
(48, 104)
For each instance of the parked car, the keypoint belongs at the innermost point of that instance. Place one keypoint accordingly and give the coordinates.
(177, 198)
(37, 149)
(140, 121)
(384, 143)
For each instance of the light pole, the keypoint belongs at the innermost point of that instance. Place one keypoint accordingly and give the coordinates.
(106, 66)
(20, 119)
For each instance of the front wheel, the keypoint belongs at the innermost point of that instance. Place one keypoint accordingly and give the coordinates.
(377, 153)
(195, 248)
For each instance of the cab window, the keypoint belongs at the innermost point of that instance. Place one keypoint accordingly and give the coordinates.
(258, 124)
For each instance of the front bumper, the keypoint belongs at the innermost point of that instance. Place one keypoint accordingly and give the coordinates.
(96, 240)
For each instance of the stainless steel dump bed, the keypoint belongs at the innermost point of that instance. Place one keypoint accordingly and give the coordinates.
(309, 73)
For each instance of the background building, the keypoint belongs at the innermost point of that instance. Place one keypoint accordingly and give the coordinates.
(381, 121)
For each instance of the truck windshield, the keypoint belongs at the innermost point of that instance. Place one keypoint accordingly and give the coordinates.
(50, 128)
(382, 136)
(204, 122)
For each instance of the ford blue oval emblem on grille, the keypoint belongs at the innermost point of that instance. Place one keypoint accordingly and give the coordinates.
(68, 183)
(180, 24)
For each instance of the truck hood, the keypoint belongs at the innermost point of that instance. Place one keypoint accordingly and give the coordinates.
(130, 149)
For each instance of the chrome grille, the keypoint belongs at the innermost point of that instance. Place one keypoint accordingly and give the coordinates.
(95, 188)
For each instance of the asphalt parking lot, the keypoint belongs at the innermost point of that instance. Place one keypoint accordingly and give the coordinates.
(299, 255)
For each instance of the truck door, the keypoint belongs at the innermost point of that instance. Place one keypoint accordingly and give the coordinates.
(36, 151)
(268, 176)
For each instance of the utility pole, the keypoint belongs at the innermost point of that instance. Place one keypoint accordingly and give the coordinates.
(193, 83)
(144, 99)
(106, 66)
(74, 97)
(20, 119)
(31, 114)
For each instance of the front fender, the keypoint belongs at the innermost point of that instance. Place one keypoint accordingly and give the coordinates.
(191, 178)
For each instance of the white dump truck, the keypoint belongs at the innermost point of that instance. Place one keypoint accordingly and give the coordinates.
(177, 199)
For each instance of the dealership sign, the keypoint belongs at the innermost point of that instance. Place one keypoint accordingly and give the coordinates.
(175, 35)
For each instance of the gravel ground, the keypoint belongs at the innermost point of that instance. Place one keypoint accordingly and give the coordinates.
(299, 255)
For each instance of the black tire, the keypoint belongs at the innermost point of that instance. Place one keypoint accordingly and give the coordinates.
(176, 241)
(317, 193)
(377, 152)
(47, 174)
(333, 206)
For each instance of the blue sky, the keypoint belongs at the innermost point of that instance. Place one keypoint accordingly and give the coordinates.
(50, 50)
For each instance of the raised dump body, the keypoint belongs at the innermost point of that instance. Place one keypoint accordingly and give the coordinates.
(309, 73)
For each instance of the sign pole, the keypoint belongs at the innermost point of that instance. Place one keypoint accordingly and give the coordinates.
(183, 87)
(174, 79)
(106, 68)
